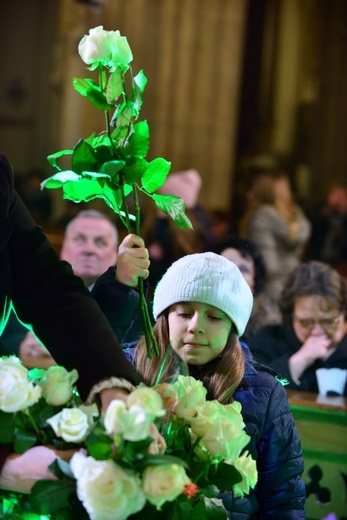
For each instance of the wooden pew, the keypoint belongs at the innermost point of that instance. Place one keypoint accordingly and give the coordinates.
(322, 425)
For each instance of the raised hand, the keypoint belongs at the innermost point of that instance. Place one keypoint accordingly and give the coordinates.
(132, 261)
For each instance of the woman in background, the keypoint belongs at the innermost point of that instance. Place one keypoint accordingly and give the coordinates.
(314, 330)
(277, 226)
(245, 254)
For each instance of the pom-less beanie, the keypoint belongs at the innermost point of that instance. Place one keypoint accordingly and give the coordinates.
(206, 278)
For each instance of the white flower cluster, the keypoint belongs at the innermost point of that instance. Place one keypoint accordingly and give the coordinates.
(108, 491)
(219, 427)
(18, 392)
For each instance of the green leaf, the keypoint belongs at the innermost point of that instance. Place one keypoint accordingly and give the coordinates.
(140, 80)
(134, 172)
(100, 450)
(83, 86)
(48, 496)
(139, 85)
(124, 115)
(156, 174)
(84, 158)
(174, 207)
(24, 440)
(95, 175)
(160, 460)
(82, 191)
(52, 159)
(59, 179)
(223, 473)
(215, 509)
(119, 134)
(99, 445)
(114, 86)
(7, 425)
(138, 141)
(112, 168)
(113, 198)
(87, 87)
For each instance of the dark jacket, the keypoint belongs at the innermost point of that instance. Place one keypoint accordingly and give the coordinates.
(275, 444)
(47, 295)
(275, 344)
(120, 304)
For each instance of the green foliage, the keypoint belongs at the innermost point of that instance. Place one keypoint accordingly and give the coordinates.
(112, 165)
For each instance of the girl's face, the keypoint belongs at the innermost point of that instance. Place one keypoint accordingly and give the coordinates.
(198, 332)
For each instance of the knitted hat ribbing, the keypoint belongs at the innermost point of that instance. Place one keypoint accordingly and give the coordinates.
(206, 278)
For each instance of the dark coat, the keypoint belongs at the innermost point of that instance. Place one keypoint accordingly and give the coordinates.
(275, 344)
(48, 296)
(275, 444)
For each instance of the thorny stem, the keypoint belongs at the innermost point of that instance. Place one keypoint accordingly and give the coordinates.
(151, 343)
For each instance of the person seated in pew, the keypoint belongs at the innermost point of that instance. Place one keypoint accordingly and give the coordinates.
(313, 334)
(245, 254)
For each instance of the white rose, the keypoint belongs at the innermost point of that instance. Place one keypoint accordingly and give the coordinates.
(147, 400)
(57, 385)
(225, 439)
(205, 416)
(191, 395)
(108, 48)
(248, 469)
(71, 424)
(16, 391)
(212, 411)
(132, 424)
(106, 490)
(164, 483)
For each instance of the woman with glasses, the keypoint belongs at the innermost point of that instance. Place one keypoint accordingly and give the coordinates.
(314, 330)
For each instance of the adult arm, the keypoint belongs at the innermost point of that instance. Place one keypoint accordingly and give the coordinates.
(49, 297)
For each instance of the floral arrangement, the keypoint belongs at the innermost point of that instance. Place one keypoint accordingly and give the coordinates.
(113, 165)
(164, 453)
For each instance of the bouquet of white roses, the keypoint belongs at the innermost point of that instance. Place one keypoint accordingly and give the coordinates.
(164, 453)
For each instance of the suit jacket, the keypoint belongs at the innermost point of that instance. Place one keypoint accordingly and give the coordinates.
(47, 296)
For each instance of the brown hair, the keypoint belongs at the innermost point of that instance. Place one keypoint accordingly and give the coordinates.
(220, 376)
(267, 189)
(314, 279)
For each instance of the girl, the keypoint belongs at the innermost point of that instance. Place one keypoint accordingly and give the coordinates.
(201, 306)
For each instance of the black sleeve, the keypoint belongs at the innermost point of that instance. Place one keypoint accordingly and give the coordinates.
(63, 314)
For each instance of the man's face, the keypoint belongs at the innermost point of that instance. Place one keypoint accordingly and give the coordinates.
(90, 247)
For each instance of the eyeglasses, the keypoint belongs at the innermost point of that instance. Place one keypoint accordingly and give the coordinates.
(309, 323)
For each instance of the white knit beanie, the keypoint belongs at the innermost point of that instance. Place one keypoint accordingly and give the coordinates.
(206, 278)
